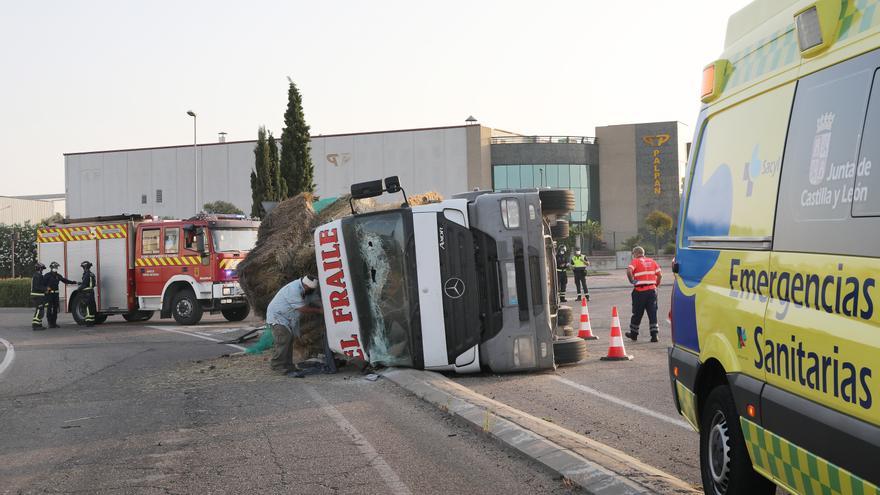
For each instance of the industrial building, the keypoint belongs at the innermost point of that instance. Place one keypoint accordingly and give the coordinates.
(19, 211)
(618, 176)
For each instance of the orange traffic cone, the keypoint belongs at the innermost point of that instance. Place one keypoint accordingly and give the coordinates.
(616, 351)
(586, 330)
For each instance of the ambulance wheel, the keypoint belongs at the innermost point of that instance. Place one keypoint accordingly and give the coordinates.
(137, 316)
(724, 460)
(569, 350)
(185, 308)
(560, 230)
(556, 201)
(100, 318)
(564, 316)
(236, 314)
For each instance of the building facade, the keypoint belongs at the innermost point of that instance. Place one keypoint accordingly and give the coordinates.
(18, 211)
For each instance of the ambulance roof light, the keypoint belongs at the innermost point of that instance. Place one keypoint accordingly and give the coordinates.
(817, 26)
(714, 78)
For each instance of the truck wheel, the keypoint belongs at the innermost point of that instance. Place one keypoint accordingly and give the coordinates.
(564, 316)
(560, 230)
(569, 350)
(78, 309)
(236, 314)
(556, 201)
(724, 460)
(137, 316)
(100, 318)
(185, 308)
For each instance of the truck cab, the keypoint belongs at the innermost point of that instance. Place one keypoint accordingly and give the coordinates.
(460, 285)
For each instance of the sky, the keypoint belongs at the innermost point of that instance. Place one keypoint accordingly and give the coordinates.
(99, 74)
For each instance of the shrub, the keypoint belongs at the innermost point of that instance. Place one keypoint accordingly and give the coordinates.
(669, 248)
(15, 293)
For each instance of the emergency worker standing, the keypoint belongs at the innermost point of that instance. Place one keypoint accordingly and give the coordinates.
(562, 264)
(52, 280)
(87, 289)
(644, 274)
(38, 297)
(579, 265)
(283, 315)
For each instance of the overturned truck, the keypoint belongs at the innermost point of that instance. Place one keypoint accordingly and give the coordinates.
(464, 285)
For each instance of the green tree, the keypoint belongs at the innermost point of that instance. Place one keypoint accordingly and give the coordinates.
(296, 160)
(631, 242)
(658, 224)
(589, 230)
(266, 177)
(222, 207)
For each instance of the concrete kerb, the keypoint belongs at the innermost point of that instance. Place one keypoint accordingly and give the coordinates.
(594, 466)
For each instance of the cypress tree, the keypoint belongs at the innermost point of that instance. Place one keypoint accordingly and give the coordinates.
(261, 179)
(296, 161)
(279, 186)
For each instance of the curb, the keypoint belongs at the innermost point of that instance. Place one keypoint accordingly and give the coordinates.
(593, 466)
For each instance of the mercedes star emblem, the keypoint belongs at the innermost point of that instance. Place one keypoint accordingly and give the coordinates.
(454, 288)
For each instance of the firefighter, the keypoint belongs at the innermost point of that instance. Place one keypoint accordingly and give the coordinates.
(562, 264)
(644, 274)
(87, 289)
(38, 296)
(282, 315)
(52, 280)
(579, 265)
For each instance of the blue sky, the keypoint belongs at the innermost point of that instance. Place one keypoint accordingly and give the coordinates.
(92, 75)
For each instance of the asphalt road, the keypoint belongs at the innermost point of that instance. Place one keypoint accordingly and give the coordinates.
(140, 408)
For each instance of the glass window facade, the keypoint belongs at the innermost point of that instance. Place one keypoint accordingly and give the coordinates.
(566, 176)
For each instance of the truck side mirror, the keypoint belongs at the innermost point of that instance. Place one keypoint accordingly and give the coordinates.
(200, 242)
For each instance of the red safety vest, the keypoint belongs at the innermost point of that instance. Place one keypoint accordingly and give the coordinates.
(645, 271)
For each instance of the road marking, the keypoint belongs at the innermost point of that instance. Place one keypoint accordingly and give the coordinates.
(10, 355)
(388, 475)
(621, 402)
(167, 329)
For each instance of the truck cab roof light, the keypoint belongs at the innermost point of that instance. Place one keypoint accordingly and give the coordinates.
(817, 26)
(715, 76)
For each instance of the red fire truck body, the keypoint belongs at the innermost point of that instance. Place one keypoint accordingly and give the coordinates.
(180, 268)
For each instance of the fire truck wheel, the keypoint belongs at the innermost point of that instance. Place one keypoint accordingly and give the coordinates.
(137, 316)
(564, 316)
(556, 201)
(185, 308)
(100, 318)
(560, 230)
(78, 309)
(569, 350)
(236, 314)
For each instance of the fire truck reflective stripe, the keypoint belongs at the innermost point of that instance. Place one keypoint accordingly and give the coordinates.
(796, 469)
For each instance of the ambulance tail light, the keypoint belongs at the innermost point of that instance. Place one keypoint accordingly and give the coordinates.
(751, 410)
(714, 78)
(817, 26)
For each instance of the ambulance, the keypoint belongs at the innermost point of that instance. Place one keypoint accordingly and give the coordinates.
(180, 268)
(463, 285)
(776, 306)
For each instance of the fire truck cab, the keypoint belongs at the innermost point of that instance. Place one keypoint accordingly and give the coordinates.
(180, 268)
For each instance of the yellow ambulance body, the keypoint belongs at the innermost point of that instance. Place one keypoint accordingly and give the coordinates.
(776, 304)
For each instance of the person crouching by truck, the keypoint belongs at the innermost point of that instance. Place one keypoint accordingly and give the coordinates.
(283, 314)
(52, 281)
(579, 264)
(562, 264)
(644, 274)
(38, 297)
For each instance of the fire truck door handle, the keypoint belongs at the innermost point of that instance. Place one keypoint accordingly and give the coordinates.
(185, 269)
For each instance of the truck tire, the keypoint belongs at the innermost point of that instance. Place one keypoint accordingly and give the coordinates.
(725, 466)
(236, 314)
(556, 201)
(78, 309)
(569, 350)
(185, 308)
(568, 332)
(560, 230)
(564, 316)
(137, 316)
(100, 318)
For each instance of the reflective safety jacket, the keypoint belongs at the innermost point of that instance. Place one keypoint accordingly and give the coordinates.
(645, 272)
(579, 261)
(88, 281)
(38, 286)
(561, 262)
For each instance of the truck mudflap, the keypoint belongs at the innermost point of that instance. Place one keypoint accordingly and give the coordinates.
(340, 315)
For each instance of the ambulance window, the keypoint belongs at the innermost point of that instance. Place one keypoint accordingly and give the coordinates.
(820, 162)
(866, 190)
(150, 241)
(172, 240)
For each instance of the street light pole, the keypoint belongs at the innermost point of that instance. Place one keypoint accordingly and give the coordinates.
(195, 163)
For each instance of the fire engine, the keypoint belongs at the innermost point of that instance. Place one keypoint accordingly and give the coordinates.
(180, 268)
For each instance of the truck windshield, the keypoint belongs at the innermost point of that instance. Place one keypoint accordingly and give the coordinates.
(233, 239)
(381, 255)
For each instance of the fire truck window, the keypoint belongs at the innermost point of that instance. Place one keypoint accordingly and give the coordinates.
(189, 239)
(150, 242)
(172, 240)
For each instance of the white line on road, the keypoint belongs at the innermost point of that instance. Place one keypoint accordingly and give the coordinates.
(621, 402)
(167, 329)
(10, 355)
(391, 479)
